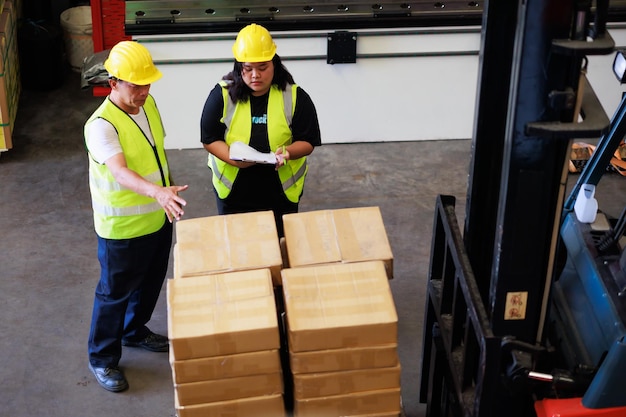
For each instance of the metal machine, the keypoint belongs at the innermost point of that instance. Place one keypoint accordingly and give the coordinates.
(144, 17)
(526, 310)
(193, 16)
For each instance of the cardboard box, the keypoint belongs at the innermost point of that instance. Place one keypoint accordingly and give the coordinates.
(233, 242)
(229, 388)
(222, 314)
(228, 366)
(10, 85)
(339, 306)
(368, 402)
(344, 359)
(337, 236)
(265, 406)
(324, 384)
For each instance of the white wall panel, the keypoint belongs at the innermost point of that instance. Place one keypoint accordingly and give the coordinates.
(376, 99)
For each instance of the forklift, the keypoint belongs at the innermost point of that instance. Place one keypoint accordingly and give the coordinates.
(525, 310)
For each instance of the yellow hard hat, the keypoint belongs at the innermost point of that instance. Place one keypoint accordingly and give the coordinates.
(254, 44)
(131, 61)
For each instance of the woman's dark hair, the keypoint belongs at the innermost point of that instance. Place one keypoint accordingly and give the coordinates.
(240, 92)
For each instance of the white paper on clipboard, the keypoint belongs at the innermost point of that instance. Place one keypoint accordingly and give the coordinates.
(239, 151)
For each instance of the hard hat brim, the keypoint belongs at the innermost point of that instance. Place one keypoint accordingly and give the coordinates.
(149, 80)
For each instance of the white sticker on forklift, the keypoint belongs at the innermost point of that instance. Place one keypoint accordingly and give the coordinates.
(515, 308)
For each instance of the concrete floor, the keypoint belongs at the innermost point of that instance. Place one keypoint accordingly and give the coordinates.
(49, 269)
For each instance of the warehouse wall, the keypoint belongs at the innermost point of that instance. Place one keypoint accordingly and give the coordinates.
(406, 85)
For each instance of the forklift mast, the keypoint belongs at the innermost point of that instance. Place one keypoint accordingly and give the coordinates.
(489, 344)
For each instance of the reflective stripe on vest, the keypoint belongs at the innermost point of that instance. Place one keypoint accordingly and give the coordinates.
(222, 178)
(293, 179)
(291, 174)
(105, 185)
(125, 211)
(120, 213)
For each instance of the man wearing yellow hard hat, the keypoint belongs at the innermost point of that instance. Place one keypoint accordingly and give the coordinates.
(134, 203)
(259, 104)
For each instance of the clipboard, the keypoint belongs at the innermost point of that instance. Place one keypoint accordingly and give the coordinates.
(239, 151)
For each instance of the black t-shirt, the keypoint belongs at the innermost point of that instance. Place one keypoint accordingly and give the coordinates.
(258, 187)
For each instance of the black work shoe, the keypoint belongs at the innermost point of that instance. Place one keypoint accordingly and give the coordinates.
(111, 379)
(153, 342)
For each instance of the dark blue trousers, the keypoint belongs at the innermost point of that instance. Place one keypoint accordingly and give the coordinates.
(131, 277)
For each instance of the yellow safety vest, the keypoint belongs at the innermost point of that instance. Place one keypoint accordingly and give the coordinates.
(238, 121)
(120, 213)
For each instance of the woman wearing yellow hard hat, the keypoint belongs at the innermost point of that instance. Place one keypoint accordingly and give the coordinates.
(259, 104)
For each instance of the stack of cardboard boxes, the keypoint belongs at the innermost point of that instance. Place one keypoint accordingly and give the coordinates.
(341, 318)
(10, 84)
(222, 318)
(338, 312)
(331, 286)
